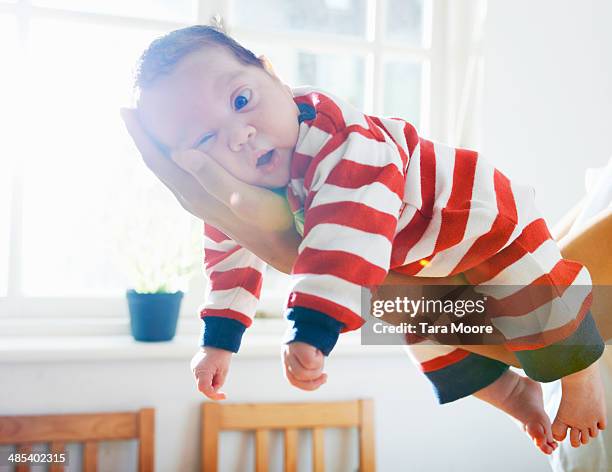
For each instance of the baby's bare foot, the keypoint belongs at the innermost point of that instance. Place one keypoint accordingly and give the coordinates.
(583, 408)
(521, 398)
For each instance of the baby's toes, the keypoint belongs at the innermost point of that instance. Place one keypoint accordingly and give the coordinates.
(575, 437)
(593, 432)
(559, 429)
(584, 436)
(536, 431)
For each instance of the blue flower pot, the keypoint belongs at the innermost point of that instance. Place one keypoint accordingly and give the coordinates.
(153, 316)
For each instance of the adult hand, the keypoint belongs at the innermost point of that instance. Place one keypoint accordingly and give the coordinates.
(255, 217)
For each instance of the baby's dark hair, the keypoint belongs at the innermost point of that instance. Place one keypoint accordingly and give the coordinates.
(163, 54)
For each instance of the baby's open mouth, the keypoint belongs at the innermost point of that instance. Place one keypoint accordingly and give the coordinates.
(264, 159)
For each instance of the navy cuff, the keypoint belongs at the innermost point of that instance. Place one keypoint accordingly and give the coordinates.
(312, 327)
(566, 357)
(465, 377)
(222, 333)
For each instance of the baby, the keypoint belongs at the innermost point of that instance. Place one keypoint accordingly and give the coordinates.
(368, 195)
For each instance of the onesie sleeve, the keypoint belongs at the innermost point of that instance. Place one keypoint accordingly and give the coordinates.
(235, 276)
(355, 187)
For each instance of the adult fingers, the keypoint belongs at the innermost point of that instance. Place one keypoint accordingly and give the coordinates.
(169, 173)
(250, 203)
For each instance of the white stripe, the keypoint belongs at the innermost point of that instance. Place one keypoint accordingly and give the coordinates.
(523, 272)
(224, 246)
(239, 259)
(237, 299)
(311, 140)
(555, 314)
(412, 189)
(372, 247)
(329, 287)
(360, 149)
(524, 202)
(422, 353)
(445, 163)
(375, 195)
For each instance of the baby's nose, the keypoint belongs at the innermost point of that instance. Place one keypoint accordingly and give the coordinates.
(240, 137)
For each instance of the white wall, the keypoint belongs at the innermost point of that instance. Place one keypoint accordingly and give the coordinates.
(412, 432)
(548, 94)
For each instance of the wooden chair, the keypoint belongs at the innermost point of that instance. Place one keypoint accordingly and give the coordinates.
(288, 417)
(24, 431)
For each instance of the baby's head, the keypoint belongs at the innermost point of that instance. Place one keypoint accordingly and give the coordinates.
(199, 89)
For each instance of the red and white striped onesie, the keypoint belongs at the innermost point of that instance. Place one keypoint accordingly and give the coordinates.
(377, 197)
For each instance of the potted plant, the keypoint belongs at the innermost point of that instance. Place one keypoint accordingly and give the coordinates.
(160, 250)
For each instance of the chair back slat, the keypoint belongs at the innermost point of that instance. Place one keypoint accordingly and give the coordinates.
(288, 417)
(146, 433)
(57, 447)
(87, 428)
(67, 428)
(23, 449)
(250, 416)
(90, 457)
(262, 443)
(318, 453)
(211, 425)
(366, 437)
(291, 437)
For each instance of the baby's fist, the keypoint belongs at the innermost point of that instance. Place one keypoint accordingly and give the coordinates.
(304, 365)
(210, 366)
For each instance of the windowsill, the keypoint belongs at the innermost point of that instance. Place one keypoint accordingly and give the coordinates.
(262, 340)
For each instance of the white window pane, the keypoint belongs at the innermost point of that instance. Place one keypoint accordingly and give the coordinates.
(345, 17)
(170, 10)
(402, 96)
(341, 75)
(5, 215)
(404, 21)
(83, 179)
(8, 115)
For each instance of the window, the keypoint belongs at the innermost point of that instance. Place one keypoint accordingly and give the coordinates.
(76, 200)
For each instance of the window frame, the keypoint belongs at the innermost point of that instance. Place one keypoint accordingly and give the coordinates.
(31, 314)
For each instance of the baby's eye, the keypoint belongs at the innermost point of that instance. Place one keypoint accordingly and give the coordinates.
(242, 99)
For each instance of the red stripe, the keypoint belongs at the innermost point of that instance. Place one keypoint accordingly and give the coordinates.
(546, 338)
(541, 291)
(457, 210)
(412, 137)
(414, 230)
(350, 174)
(332, 144)
(227, 313)
(214, 234)
(212, 257)
(441, 362)
(328, 115)
(532, 237)
(246, 277)
(350, 319)
(491, 243)
(299, 165)
(344, 265)
(354, 215)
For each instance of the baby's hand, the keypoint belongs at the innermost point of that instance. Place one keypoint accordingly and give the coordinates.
(210, 366)
(304, 365)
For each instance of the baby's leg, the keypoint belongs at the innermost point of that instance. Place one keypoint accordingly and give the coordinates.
(583, 407)
(456, 373)
(521, 398)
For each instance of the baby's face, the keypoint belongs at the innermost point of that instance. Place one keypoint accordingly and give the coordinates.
(240, 115)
